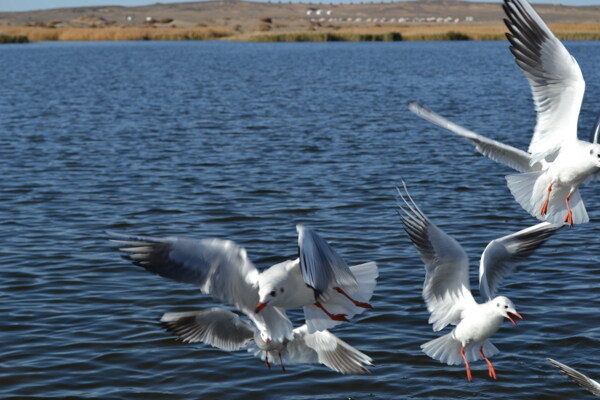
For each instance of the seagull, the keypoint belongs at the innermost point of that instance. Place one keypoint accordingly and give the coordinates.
(225, 330)
(578, 377)
(557, 162)
(319, 280)
(446, 288)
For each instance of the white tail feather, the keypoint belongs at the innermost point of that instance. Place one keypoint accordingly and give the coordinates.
(334, 302)
(446, 349)
(530, 190)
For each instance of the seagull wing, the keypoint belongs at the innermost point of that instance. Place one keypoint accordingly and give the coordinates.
(220, 268)
(501, 255)
(578, 377)
(322, 267)
(555, 78)
(325, 348)
(217, 327)
(499, 152)
(446, 288)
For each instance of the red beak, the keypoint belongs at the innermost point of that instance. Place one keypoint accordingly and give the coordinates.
(260, 306)
(511, 315)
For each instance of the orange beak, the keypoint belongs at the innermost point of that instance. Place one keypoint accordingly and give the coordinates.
(260, 306)
(511, 315)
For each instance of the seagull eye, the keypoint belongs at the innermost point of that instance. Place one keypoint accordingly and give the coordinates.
(505, 306)
(273, 293)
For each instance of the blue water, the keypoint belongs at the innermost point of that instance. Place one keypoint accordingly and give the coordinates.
(243, 141)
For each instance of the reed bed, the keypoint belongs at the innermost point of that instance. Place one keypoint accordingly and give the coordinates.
(4, 38)
(113, 33)
(357, 34)
(392, 36)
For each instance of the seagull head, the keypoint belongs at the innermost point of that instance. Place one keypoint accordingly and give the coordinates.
(273, 286)
(594, 152)
(507, 309)
(269, 295)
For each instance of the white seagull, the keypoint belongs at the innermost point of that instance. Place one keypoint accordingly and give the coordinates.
(556, 161)
(225, 330)
(446, 288)
(578, 377)
(319, 280)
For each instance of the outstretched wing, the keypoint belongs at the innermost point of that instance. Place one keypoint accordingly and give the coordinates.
(322, 267)
(578, 377)
(325, 348)
(500, 256)
(217, 327)
(446, 288)
(499, 152)
(219, 267)
(555, 78)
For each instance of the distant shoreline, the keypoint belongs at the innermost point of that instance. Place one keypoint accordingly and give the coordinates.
(22, 34)
(279, 20)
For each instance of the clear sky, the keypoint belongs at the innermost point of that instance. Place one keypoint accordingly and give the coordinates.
(25, 5)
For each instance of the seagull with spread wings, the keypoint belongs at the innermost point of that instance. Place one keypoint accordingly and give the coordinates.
(446, 289)
(319, 280)
(557, 162)
(225, 330)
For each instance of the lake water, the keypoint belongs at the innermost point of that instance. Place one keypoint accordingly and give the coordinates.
(243, 141)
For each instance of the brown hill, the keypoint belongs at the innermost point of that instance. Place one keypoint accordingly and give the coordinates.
(246, 16)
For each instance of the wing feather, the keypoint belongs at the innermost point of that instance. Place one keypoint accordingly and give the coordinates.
(556, 81)
(325, 348)
(322, 267)
(216, 326)
(501, 255)
(499, 152)
(220, 268)
(578, 377)
(446, 288)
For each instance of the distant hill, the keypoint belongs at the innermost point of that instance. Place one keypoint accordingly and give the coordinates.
(246, 16)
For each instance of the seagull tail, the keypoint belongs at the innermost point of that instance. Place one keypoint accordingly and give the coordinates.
(530, 189)
(337, 303)
(445, 349)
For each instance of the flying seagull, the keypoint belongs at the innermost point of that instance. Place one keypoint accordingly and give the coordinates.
(446, 288)
(225, 330)
(319, 280)
(557, 162)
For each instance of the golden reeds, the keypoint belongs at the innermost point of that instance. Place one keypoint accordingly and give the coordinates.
(113, 33)
(389, 33)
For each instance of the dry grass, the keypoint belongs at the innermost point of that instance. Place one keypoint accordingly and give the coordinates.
(102, 34)
(386, 33)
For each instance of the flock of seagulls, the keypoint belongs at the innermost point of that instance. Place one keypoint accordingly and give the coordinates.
(331, 293)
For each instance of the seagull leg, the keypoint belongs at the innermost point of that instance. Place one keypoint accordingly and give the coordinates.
(468, 368)
(355, 302)
(281, 363)
(569, 217)
(491, 370)
(544, 209)
(267, 363)
(335, 317)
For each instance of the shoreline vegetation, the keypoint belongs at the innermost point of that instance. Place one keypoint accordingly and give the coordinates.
(25, 34)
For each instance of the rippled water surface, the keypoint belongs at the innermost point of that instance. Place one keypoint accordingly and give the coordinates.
(243, 141)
